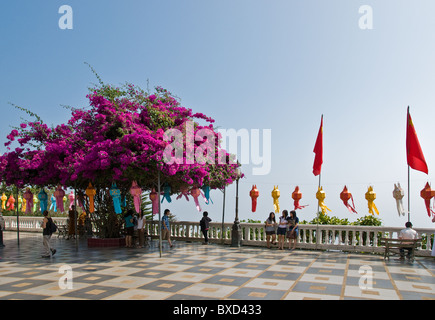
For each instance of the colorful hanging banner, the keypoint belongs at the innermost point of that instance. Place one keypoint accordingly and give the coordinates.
(21, 204)
(155, 201)
(320, 196)
(43, 200)
(71, 198)
(35, 202)
(4, 198)
(81, 199)
(115, 192)
(28, 195)
(10, 205)
(184, 191)
(297, 196)
(59, 193)
(166, 193)
(254, 193)
(427, 194)
(53, 205)
(398, 194)
(370, 197)
(345, 196)
(195, 192)
(136, 192)
(206, 191)
(91, 192)
(275, 196)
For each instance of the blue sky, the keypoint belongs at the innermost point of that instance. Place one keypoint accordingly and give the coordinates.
(249, 64)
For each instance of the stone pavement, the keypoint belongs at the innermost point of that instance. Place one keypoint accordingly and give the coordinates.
(191, 271)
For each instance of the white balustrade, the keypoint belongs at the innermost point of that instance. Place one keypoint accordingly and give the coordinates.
(331, 237)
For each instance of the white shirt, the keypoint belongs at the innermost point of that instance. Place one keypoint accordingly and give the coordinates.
(408, 233)
(141, 222)
(282, 222)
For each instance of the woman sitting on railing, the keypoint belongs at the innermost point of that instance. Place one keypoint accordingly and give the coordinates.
(282, 229)
(293, 230)
(270, 225)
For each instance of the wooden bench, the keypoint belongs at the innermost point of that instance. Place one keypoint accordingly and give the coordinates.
(393, 246)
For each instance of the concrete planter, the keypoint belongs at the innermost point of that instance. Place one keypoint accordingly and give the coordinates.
(106, 242)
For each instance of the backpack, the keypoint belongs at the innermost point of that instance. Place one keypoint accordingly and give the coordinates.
(53, 226)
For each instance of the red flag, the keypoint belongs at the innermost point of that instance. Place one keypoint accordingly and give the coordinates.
(414, 154)
(318, 150)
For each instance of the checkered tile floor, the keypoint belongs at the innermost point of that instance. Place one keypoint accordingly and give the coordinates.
(191, 271)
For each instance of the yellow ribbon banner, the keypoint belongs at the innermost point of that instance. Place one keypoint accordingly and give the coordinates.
(370, 197)
(275, 196)
(320, 196)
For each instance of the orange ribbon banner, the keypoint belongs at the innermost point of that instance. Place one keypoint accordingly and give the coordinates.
(427, 194)
(297, 196)
(345, 196)
(254, 193)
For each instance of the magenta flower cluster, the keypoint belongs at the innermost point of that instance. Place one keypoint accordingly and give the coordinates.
(118, 138)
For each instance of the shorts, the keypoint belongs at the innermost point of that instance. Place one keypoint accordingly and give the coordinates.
(281, 231)
(165, 234)
(129, 231)
(270, 233)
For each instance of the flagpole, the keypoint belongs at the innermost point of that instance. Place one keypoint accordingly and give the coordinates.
(320, 175)
(409, 180)
(409, 197)
(317, 221)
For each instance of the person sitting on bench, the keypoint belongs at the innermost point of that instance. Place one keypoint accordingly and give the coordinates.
(407, 233)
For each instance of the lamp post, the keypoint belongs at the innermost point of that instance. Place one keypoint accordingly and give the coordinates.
(236, 233)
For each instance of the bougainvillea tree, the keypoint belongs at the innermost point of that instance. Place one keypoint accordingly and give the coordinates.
(121, 137)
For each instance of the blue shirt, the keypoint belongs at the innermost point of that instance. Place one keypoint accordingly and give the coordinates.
(128, 223)
(293, 223)
(165, 221)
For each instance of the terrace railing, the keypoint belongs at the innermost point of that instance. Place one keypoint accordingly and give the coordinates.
(319, 237)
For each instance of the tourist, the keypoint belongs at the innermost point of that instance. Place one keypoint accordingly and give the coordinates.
(205, 226)
(134, 241)
(129, 228)
(81, 224)
(270, 226)
(2, 227)
(282, 229)
(407, 233)
(88, 226)
(72, 217)
(293, 230)
(166, 230)
(47, 224)
(141, 223)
